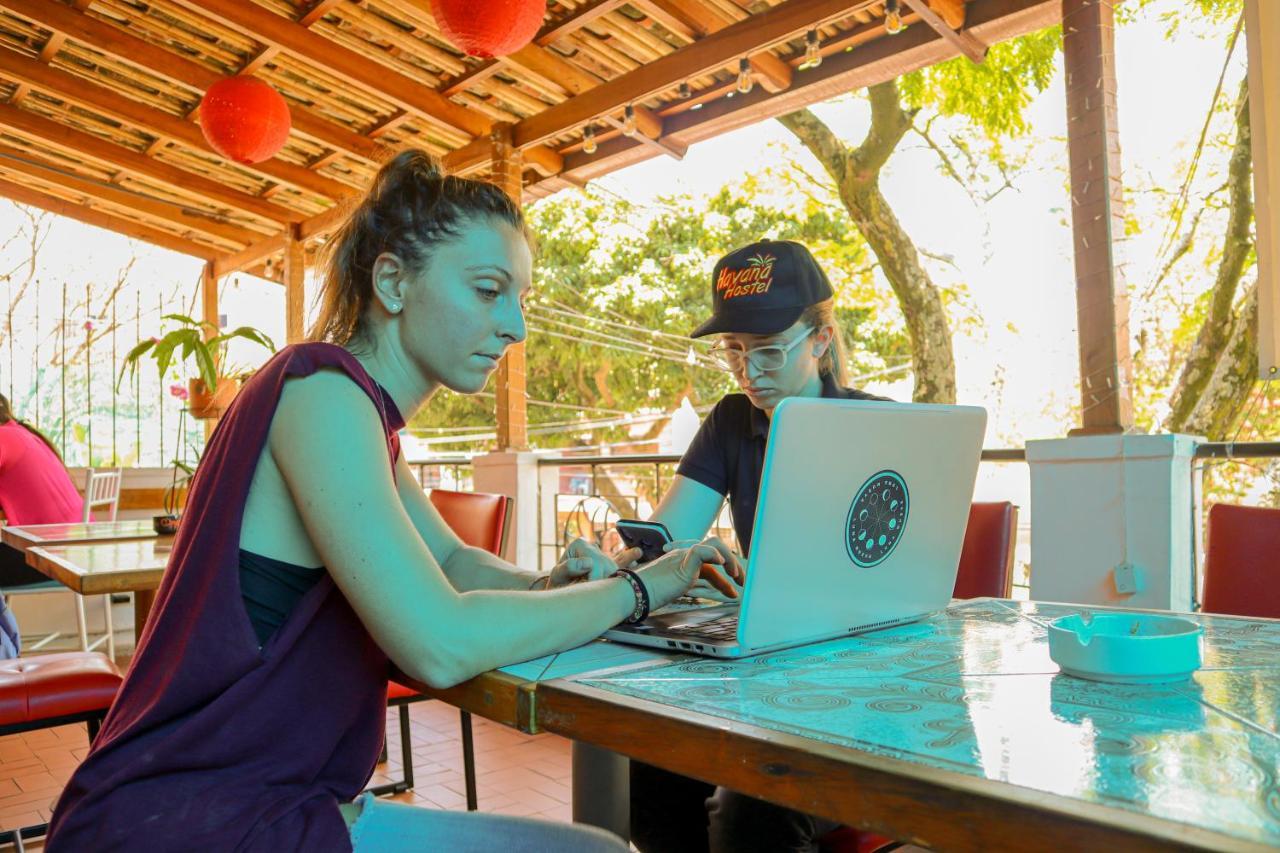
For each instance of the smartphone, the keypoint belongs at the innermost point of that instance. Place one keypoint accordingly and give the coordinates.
(648, 536)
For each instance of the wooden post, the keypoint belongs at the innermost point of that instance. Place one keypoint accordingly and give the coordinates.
(209, 309)
(295, 270)
(1097, 216)
(513, 423)
(1262, 28)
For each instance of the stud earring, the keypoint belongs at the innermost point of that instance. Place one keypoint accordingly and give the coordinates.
(394, 307)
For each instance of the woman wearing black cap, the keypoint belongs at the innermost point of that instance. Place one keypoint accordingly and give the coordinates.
(774, 313)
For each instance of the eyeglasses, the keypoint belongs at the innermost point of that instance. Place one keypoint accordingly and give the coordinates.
(770, 357)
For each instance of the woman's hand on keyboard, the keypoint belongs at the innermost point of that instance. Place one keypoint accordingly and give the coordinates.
(582, 561)
(720, 582)
(675, 572)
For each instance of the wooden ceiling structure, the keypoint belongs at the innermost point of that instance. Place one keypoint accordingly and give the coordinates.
(98, 103)
(98, 97)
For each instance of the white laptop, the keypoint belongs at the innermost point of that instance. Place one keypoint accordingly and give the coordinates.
(861, 517)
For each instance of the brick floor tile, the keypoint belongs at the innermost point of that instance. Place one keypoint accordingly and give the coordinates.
(38, 782)
(19, 819)
(13, 747)
(538, 800)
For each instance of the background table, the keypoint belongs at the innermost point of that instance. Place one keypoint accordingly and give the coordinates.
(959, 732)
(104, 568)
(27, 536)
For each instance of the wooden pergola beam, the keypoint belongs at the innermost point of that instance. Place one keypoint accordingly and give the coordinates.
(260, 24)
(1262, 32)
(510, 387)
(251, 255)
(295, 271)
(13, 160)
(962, 39)
(715, 51)
(89, 216)
(125, 47)
(703, 20)
(70, 140)
(100, 99)
(576, 19)
(255, 254)
(872, 60)
(1097, 217)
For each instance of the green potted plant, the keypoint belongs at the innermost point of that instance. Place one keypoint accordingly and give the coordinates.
(167, 523)
(217, 381)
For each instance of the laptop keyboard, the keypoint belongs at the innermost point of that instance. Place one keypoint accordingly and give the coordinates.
(724, 628)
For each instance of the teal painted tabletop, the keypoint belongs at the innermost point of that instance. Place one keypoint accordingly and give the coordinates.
(973, 690)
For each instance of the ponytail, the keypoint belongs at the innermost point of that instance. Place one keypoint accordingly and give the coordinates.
(411, 207)
(832, 362)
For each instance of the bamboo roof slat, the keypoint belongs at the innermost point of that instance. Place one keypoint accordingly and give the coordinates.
(109, 91)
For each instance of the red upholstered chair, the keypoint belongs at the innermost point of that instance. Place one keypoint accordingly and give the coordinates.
(481, 520)
(986, 558)
(43, 691)
(1242, 561)
(986, 570)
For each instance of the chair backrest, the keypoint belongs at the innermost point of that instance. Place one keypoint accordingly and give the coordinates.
(102, 489)
(986, 559)
(1242, 561)
(480, 519)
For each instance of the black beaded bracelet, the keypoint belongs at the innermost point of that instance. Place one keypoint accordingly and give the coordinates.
(641, 611)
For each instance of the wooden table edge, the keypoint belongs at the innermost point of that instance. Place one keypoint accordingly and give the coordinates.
(493, 695)
(504, 698)
(23, 543)
(944, 809)
(61, 570)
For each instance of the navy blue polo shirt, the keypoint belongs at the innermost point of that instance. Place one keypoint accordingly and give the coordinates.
(727, 454)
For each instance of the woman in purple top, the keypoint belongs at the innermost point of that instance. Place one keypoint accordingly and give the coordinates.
(309, 561)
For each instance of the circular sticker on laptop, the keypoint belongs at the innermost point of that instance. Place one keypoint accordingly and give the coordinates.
(877, 518)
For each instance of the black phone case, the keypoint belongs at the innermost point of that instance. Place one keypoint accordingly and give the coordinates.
(649, 541)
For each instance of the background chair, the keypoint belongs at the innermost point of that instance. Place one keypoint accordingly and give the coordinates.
(54, 690)
(986, 570)
(481, 520)
(1242, 561)
(986, 558)
(101, 490)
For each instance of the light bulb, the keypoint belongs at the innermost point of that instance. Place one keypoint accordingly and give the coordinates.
(588, 140)
(812, 57)
(692, 357)
(892, 18)
(685, 92)
(745, 81)
(629, 121)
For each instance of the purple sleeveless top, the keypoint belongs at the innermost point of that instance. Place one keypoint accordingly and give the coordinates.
(215, 745)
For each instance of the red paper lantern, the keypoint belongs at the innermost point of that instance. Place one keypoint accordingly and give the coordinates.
(489, 28)
(244, 119)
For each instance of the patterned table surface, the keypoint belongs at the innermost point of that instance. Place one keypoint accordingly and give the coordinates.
(973, 690)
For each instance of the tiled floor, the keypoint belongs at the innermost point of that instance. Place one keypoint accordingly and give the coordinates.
(516, 774)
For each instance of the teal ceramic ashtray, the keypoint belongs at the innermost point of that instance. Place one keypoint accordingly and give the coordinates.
(1129, 648)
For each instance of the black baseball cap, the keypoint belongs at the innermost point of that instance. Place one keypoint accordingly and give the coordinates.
(763, 288)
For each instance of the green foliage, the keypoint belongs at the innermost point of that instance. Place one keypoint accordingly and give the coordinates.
(619, 286)
(992, 95)
(210, 355)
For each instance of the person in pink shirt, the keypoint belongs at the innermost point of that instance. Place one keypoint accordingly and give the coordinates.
(35, 488)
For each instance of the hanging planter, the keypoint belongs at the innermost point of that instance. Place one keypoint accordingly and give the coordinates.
(489, 28)
(244, 119)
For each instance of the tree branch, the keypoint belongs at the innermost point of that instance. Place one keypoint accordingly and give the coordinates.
(1216, 330)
